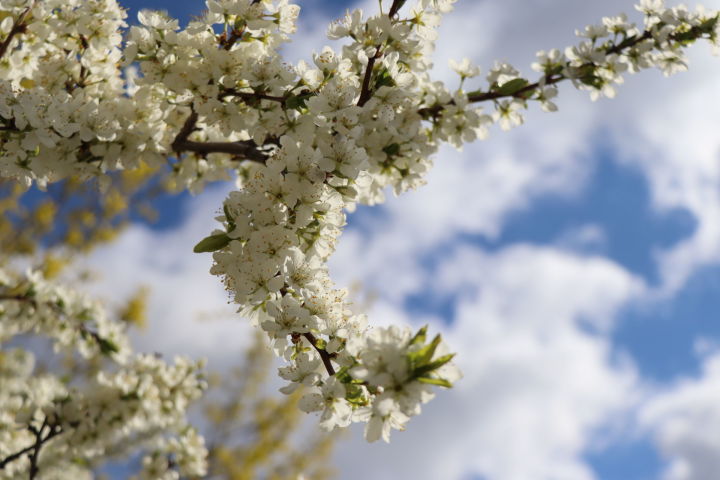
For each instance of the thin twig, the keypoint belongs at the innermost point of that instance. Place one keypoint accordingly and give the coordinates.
(18, 27)
(33, 451)
(324, 355)
(245, 149)
(11, 458)
(19, 298)
(395, 7)
(235, 35)
(251, 96)
(551, 80)
(365, 90)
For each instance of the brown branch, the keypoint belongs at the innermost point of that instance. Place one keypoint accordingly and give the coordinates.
(15, 456)
(365, 92)
(246, 149)
(435, 110)
(18, 27)
(395, 7)
(33, 451)
(9, 125)
(324, 355)
(19, 298)
(251, 96)
(235, 35)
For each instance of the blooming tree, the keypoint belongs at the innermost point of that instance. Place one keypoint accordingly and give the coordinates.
(305, 143)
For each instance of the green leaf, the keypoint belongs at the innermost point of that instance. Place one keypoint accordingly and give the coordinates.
(686, 38)
(392, 149)
(555, 69)
(512, 87)
(343, 376)
(106, 346)
(419, 336)
(435, 381)
(130, 396)
(476, 93)
(384, 79)
(425, 354)
(432, 366)
(355, 395)
(708, 26)
(212, 243)
(320, 343)
(705, 28)
(240, 23)
(593, 81)
(297, 102)
(228, 217)
(81, 461)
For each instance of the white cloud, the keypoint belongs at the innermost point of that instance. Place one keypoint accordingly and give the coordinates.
(588, 237)
(675, 142)
(685, 421)
(666, 126)
(537, 381)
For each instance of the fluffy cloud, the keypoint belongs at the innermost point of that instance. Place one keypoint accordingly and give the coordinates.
(667, 127)
(685, 420)
(537, 380)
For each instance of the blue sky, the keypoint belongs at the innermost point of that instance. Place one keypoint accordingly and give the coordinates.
(574, 264)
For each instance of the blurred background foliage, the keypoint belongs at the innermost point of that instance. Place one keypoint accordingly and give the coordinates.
(251, 431)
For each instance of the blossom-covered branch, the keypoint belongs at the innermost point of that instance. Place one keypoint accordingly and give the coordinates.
(596, 66)
(321, 137)
(141, 401)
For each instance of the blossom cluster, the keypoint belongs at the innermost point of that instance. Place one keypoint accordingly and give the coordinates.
(308, 143)
(64, 110)
(610, 49)
(70, 426)
(340, 145)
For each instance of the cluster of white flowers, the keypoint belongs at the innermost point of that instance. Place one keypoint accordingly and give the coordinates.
(51, 423)
(63, 104)
(308, 141)
(70, 319)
